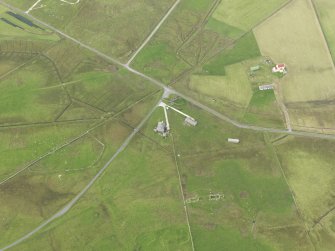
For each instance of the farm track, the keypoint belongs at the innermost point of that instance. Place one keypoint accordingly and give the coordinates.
(146, 41)
(51, 151)
(165, 87)
(66, 208)
(282, 106)
(16, 68)
(252, 28)
(182, 191)
(324, 215)
(48, 123)
(141, 124)
(299, 212)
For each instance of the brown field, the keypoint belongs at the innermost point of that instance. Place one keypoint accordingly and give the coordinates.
(286, 38)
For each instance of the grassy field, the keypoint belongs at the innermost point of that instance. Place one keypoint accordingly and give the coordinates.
(42, 190)
(181, 42)
(263, 110)
(326, 11)
(243, 49)
(311, 73)
(256, 199)
(70, 110)
(22, 4)
(109, 92)
(135, 205)
(245, 14)
(234, 91)
(11, 27)
(80, 155)
(7, 65)
(23, 99)
(309, 168)
(234, 86)
(128, 23)
(51, 93)
(19, 146)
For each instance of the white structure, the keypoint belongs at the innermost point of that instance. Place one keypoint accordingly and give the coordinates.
(235, 141)
(191, 121)
(279, 68)
(163, 128)
(265, 87)
(166, 118)
(188, 119)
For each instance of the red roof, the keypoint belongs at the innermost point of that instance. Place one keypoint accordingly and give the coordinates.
(280, 66)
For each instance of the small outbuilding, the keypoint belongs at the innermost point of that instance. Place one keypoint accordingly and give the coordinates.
(235, 141)
(265, 87)
(190, 121)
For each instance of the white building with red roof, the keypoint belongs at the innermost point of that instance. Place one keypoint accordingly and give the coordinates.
(279, 68)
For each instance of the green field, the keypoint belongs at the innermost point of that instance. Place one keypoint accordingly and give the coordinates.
(263, 109)
(325, 10)
(41, 190)
(236, 89)
(309, 168)
(309, 84)
(243, 49)
(23, 98)
(19, 146)
(181, 42)
(312, 73)
(116, 28)
(136, 205)
(79, 144)
(245, 14)
(22, 31)
(248, 176)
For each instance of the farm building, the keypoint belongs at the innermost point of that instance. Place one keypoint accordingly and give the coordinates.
(161, 128)
(265, 87)
(191, 121)
(235, 141)
(279, 68)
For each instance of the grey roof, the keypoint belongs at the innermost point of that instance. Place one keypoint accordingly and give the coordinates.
(266, 87)
(161, 127)
(191, 121)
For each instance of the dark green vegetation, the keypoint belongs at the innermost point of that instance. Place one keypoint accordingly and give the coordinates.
(245, 48)
(192, 42)
(263, 109)
(181, 43)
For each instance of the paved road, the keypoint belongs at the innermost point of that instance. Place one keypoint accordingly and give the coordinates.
(130, 137)
(65, 209)
(160, 84)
